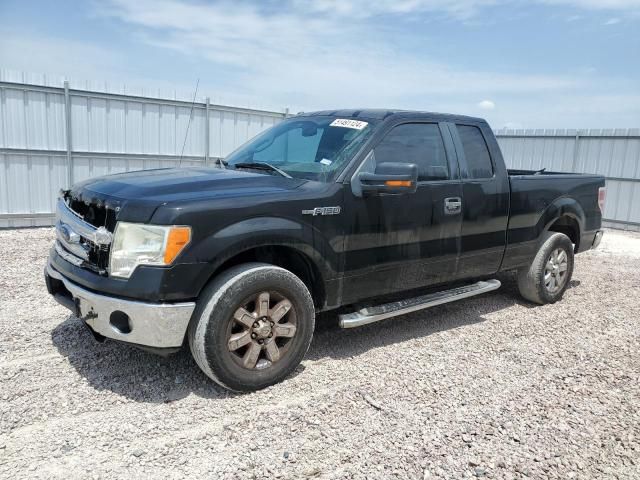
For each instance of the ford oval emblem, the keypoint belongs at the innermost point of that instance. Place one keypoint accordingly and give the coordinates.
(68, 234)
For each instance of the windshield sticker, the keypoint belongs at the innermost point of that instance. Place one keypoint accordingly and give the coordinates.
(347, 123)
(326, 161)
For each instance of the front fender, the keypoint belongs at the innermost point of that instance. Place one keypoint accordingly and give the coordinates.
(251, 233)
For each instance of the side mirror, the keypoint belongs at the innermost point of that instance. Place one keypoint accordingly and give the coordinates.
(390, 179)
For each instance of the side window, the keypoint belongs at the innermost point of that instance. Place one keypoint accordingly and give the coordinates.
(476, 152)
(419, 143)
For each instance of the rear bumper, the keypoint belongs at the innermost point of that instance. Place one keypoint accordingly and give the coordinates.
(590, 240)
(597, 239)
(155, 325)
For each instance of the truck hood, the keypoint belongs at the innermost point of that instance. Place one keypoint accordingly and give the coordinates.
(136, 195)
(180, 184)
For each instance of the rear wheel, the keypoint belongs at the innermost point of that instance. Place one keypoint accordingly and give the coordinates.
(548, 276)
(252, 326)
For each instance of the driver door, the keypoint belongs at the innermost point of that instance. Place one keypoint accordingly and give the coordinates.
(401, 242)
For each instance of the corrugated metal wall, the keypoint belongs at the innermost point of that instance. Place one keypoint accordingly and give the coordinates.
(52, 136)
(612, 153)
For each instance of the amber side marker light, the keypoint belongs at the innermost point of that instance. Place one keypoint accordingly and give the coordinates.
(398, 183)
(179, 237)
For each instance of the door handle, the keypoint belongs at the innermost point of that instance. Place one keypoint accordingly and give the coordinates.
(452, 205)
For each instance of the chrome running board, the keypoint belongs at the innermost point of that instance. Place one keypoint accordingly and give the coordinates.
(402, 307)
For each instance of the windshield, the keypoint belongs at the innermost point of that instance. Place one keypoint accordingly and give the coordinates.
(313, 148)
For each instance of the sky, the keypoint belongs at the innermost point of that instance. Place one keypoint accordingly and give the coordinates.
(518, 63)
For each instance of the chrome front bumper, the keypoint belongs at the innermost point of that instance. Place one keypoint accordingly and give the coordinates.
(157, 325)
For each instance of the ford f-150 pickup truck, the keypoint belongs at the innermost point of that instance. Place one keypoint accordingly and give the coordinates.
(372, 213)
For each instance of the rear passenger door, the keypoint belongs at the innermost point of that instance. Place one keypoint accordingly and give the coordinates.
(485, 205)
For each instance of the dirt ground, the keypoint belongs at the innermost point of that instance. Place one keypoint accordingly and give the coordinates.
(487, 387)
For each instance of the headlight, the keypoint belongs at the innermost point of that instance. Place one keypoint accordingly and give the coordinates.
(138, 244)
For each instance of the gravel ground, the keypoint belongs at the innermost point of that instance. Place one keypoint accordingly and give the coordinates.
(488, 387)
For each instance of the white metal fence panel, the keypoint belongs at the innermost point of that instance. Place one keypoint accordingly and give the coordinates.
(615, 154)
(53, 133)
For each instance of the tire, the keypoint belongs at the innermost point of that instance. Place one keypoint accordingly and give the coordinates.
(224, 339)
(533, 283)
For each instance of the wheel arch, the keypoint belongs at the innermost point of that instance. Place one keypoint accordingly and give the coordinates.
(565, 215)
(568, 225)
(298, 259)
(281, 241)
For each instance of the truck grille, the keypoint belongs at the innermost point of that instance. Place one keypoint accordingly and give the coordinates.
(82, 237)
(95, 214)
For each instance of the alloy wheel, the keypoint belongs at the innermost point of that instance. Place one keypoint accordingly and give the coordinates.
(555, 270)
(261, 330)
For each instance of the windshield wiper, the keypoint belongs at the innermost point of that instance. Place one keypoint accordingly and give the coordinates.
(262, 166)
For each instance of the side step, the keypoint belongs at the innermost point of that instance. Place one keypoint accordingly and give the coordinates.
(381, 312)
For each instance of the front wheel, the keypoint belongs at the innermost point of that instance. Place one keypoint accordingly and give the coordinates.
(252, 326)
(548, 276)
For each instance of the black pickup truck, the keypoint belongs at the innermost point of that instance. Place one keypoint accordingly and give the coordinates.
(372, 213)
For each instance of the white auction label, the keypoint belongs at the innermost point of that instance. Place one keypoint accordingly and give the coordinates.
(347, 123)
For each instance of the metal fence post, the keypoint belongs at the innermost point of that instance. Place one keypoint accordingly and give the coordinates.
(206, 132)
(576, 152)
(67, 118)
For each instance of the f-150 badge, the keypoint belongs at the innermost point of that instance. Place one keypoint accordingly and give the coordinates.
(322, 211)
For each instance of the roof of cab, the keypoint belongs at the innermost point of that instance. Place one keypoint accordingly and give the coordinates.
(384, 114)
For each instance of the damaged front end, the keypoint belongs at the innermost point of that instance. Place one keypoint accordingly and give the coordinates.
(86, 222)
(84, 231)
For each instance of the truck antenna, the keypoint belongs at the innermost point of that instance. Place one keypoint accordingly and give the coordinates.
(186, 134)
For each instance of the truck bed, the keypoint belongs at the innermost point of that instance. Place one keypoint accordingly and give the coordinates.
(538, 197)
(518, 172)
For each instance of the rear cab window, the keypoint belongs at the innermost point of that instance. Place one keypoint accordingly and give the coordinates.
(476, 152)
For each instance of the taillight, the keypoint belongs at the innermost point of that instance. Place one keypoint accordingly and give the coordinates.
(602, 194)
